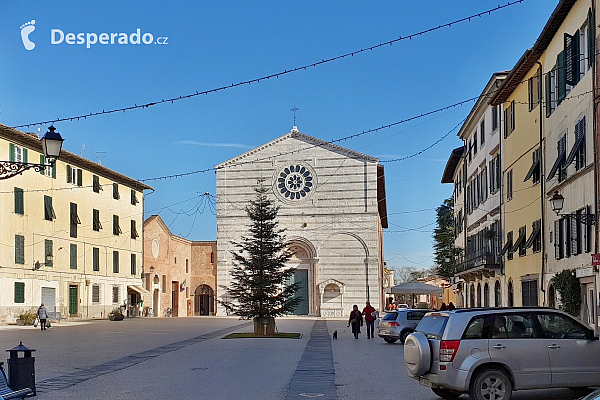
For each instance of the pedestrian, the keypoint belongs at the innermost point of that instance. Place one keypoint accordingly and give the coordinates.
(42, 314)
(451, 306)
(444, 307)
(370, 315)
(356, 320)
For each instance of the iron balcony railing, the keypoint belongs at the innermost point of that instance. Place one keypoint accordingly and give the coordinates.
(484, 257)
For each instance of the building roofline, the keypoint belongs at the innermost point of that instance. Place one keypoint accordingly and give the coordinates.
(30, 140)
(453, 161)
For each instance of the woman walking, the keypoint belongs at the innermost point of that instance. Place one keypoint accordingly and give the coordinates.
(356, 320)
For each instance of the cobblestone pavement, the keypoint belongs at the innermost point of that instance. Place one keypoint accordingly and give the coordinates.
(185, 358)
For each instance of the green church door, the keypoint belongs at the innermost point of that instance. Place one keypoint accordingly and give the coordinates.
(72, 299)
(301, 277)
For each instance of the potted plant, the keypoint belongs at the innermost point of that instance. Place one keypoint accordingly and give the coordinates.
(116, 315)
(27, 318)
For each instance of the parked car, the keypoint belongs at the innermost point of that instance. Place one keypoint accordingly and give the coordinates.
(397, 325)
(490, 352)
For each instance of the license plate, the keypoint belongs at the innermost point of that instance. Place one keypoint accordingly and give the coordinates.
(424, 382)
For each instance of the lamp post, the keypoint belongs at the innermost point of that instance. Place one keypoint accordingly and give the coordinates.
(558, 200)
(51, 146)
(38, 265)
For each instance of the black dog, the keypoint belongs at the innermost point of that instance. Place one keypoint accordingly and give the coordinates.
(335, 335)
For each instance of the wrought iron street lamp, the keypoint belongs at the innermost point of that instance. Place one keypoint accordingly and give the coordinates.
(38, 265)
(51, 146)
(558, 200)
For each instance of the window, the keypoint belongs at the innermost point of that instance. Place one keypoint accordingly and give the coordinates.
(512, 116)
(520, 243)
(505, 122)
(484, 194)
(474, 142)
(48, 253)
(133, 264)
(74, 176)
(163, 284)
(96, 294)
(134, 233)
(535, 239)
(534, 172)
(509, 185)
(470, 150)
(19, 292)
(49, 170)
(96, 259)
(116, 191)
(477, 328)
(535, 89)
(509, 240)
(74, 220)
(116, 227)
(115, 295)
(96, 224)
(482, 132)
(415, 315)
(559, 165)
(513, 326)
(494, 174)
(48, 209)
(212, 258)
(530, 294)
(19, 249)
(17, 153)
(495, 115)
(73, 256)
(115, 262)
(96, 184)
(562, 238)
(134, 199)
(557, 326)
(561, 78)
(486, 295)
(19, 207)
(550, 91)
(577, 153)
(497, 295)
(511, 294)
(572, 62)
(187, 266)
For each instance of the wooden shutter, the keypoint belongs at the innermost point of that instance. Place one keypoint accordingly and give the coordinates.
(11, 154)
(79, 177)
(69, 174)
(588, 231)
(548, 94)
(25, 155)
(569, 56)
(73, 256)
(591, 26)
(54, 170)
(19, 209)
(116, 262)
(47, 252)
(42, 161)
(574, 225)
(562, 78)
(19, 292)
(133, 264)
(96, 259)
(19, 249)
(557, 239)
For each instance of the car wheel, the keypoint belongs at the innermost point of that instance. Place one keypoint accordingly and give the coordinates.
(404, 334)
(491, 384)
(390, 340)
(446, 393)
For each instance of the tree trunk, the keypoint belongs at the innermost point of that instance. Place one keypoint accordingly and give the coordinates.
(264, 326)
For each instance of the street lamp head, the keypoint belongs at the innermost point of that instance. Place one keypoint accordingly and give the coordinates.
(51, 144)
(557, 202)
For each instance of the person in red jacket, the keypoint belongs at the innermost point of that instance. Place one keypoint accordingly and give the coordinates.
(370, 316)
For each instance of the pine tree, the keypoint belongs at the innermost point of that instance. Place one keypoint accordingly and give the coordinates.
(259, 286)
(443, 240)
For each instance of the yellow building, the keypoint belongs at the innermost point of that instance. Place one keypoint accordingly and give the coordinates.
(548, 109)
(71, 235)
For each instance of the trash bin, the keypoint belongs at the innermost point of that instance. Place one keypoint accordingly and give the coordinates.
(21, 370)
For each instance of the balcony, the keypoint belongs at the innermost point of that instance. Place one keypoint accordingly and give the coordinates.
(485, 261)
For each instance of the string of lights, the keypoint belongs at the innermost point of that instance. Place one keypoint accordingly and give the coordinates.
(278, 74)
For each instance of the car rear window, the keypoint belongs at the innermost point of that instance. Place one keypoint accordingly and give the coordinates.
(390, 316)
(432, 326)
(415, 315)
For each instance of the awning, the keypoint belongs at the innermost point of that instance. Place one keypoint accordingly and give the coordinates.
(575, 150)
(138, 289)
(535, 166)
(415, 288)
(560, 160)
(532, 238)
(507, 246)
(517, 244)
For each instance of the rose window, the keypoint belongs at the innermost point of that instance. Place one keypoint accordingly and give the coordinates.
(295, 182)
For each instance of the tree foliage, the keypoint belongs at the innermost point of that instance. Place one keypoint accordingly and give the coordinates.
(411, 274)
(568, 287)
(443, 240)
(259, 286)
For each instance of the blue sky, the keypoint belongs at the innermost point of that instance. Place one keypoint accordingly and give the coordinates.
(213, 44)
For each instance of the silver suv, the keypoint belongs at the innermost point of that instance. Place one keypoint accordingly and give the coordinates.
(399, 324)
(488, 353)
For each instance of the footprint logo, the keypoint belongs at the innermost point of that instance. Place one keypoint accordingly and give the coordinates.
(26, 29)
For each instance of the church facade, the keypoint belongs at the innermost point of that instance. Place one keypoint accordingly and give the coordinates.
(332, 207)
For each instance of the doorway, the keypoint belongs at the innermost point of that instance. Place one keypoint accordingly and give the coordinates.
(204, 300)
(301, 277)
(73, 303)
(174, 298)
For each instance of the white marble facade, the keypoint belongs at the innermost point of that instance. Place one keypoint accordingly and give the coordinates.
(328, 197)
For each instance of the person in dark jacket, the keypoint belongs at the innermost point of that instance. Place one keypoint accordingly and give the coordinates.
(356, 320)
(42, 314)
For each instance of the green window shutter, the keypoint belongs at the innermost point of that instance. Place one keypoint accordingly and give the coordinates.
(79, 177)
(48, 252)
(25, 155)
(19, 209)
(19, 292)
(548, 95)
(96, 183)
(116, 262)
(133, 264)
(73, 256)
(562, 77)
(68, 174)
(19, 249)
(54, 170)
(42, 161)
(96, 256)
(11, 154)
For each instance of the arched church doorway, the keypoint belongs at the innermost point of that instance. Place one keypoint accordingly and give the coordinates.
(303, 260)
(204, 300)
